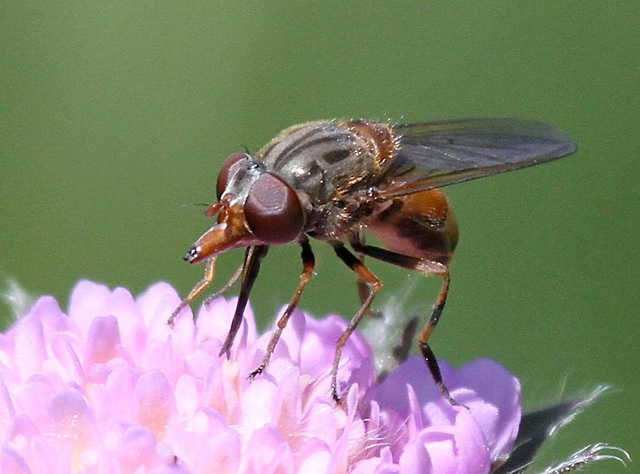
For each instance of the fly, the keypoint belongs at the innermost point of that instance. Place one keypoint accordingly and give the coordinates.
(337, 180)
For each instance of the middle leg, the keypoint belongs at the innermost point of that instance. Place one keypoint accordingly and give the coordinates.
(373, 286)
(308, 264)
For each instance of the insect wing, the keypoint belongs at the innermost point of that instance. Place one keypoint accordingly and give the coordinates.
(437, 154)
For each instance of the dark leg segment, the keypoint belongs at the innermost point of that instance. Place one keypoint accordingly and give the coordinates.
(252, 267)
(308, 264)
(427, 267)
(364, 275)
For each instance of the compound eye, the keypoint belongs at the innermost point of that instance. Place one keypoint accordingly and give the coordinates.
(228, 169)
(273, 211)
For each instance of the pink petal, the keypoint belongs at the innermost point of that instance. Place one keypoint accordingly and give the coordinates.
(154, 403)
(500, 410)
(415, 458)
(103, 338)
(138, 449)
(30, 346)
(267, 451)
(71, 419)
(460, 449)
(86, 302)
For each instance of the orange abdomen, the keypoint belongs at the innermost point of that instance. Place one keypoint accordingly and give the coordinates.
(420, 225)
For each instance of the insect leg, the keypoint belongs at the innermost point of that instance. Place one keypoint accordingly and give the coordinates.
(363, 287)
(308, 264)
(252, 267)
(209, 275)
(427, 267)
(233, 280)
(374, 285)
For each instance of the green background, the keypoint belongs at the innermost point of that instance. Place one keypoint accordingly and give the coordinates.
(115, 117)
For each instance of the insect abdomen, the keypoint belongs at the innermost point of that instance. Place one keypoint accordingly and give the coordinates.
(420, 225)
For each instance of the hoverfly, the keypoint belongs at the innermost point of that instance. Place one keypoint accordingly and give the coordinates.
(335, 180)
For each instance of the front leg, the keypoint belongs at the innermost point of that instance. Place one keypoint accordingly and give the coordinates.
(232, 281)
(209, 275)
(252, 267)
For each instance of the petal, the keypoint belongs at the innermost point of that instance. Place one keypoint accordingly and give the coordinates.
(12, 462)
(154, 402)
(137, 449)
(157, 303)
(380, 465)
(258, 405)
(48, 312)
(415, 458)
(86, 302)
(221, 453)
(458, 449)
(267, 451)
(30, 348)
(71, 422)
(214, 321)
(318, 350)
(103, 338)
(500, 412)
(33, 397)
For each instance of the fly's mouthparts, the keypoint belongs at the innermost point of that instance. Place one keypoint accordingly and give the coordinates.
(192, 254)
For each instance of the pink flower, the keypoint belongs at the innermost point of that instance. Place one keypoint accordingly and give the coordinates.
(111, 388)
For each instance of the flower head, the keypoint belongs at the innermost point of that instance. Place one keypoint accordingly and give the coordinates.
(110, 387)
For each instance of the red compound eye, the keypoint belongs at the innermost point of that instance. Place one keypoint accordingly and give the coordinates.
(228, 168)
(273, 211)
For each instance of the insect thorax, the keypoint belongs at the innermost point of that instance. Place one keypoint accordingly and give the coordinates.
(323, 159)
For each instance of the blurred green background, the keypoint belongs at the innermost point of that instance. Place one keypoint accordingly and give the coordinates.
(115, 117)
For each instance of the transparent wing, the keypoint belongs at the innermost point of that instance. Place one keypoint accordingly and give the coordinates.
(437, 154)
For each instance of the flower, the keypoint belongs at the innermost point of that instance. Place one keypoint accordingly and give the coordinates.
(110, 387)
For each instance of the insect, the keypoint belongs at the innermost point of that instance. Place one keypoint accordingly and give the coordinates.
(337, 180)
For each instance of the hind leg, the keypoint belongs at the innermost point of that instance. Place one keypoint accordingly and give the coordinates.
(427, 267)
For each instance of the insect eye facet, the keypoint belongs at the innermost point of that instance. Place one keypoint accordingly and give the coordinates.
(273, 211)
(229, 166)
